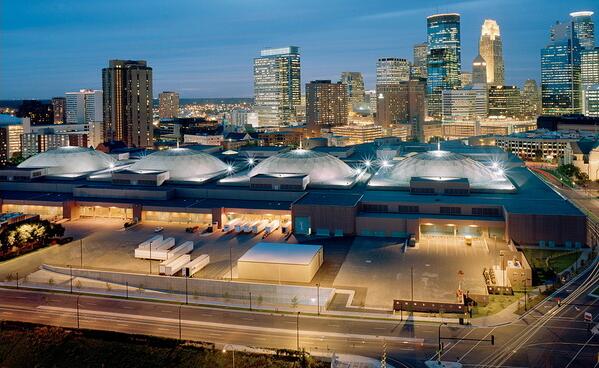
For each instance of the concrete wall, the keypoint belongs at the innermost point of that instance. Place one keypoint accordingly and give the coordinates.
(281, 295)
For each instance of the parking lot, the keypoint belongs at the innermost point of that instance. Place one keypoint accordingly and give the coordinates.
(379, 271)
(376, 269)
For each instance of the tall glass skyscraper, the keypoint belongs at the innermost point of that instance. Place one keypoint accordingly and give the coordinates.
(584, 28)
(561, 64)
(443, 59)
(277, 85)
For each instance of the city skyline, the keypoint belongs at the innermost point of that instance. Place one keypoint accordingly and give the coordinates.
(206, 50)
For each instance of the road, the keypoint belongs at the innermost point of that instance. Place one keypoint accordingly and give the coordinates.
(556, 329)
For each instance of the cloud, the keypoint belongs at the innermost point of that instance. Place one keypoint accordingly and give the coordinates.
(458, 5)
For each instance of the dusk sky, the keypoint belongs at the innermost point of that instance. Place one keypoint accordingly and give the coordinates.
(206, 48)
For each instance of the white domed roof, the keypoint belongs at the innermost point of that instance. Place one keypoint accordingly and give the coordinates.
(322, 167)
(70, 160)
(181, 163)
(444, 165)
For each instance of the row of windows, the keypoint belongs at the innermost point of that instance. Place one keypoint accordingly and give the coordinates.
(476, 211)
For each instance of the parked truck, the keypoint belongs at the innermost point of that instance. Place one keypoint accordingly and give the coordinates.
(196, 265)
(174, 265)
(183, 248)
(230, 225)
(152, 240)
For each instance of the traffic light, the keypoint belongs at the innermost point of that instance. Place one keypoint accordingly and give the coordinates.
(492, 339)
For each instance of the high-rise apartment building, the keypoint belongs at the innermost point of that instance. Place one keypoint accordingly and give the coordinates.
(277, 85)
(584, 28)
(392, 71)
(84, 106)
(402, 103)
(127, 86)
(443, 58)
(419, 62)
(479, 71)
(59, 107)
(168, 105)
(11, 129)
(355, 88)
(491, 49)
(505, 101)
(326, 105)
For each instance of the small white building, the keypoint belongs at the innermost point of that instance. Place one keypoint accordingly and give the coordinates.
(281, 262)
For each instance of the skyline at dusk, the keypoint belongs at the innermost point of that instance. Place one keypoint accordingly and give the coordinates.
(207, 49)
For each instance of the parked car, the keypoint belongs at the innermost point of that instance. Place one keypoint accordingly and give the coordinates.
(158, 229)
(65, 240)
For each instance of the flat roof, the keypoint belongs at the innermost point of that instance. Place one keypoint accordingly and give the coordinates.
(298, 254)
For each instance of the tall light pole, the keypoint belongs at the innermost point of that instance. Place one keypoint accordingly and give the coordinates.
(71, 279)
(297, 330)
(81, 252)
(439, 336)
(231, 260)
(317, 299)
(232, 352)
(150, 258)
(412, 281)
(180, 331)
(78, 311)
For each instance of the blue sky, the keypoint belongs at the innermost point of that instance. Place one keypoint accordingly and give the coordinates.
(205, 48)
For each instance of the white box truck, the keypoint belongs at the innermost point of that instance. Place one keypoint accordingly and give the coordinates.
(230, 225)
(259, 226)
(272, 226)
(152, 240)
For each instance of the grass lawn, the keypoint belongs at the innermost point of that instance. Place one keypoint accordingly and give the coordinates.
(547, 262)
(497, 303)
(28, 345)
(563, 179)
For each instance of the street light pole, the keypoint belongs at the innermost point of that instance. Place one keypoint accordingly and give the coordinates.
(78, 311)
(81, 252)
(180, 332)
(186, 294)
(412, 281)
(150, 258)
(297, 330)
(71, 279)
(439, 336)
(318, 299)
(231, 261)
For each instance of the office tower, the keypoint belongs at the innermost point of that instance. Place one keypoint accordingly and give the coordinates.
(504, 101)
(560, 72)
(531, 99)
(479, 72)
(584, 29)
(417, 106)
(392, 71)
(491, 49)
(277, 85)
(589, 66)
(590, 100)
(355, 88)
(39, 113)
(59, 107)
(419, 62)
(326, 105)
(464, 105)
(84, 106)
(11, 129)
(443, 58)
(465, 79)
(128, 97)
(168, 105)
(370, 97)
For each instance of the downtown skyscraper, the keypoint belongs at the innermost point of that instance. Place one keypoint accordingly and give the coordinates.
(326, 106)
(491, 49)
(127, 86)
(561, 90)
(277, 85)
(355, 88)
(444, 58)
(84, 106)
